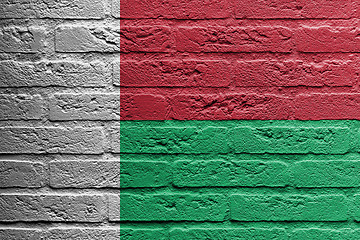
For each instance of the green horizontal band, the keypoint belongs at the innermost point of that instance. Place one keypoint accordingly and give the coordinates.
(283, 137)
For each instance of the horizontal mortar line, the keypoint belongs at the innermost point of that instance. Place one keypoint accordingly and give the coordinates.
(246, 88)
(229, 221)
(287, 187)
(224, 154)
(227, 52)
(47, 225)
(50, 190)
(235, 19)
(65, 19)
(59, 193)
(106, 87)
(37, 222)
(52, 154)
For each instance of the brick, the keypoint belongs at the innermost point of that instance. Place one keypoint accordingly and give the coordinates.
(116, 74)
(173, 207)
(83, 234)
(21, 233)
(290, 73)
(146, 39)
(327, 39)
(52, 73)
(143, 107)
(144, 234)
(114, 208)
(115, 8)
(300, 9)
(229, 107)
(85, 174)
(227, 174)
(114, 137)
(327, 106)
(86, 106)
(51, 140)
(326, 174)
(175, 73)
(21, 107)
(144, 174)
(234, 39)
(173, 140)
(82, 39)
(357, 207)
(22, 174)
(76, 9)
(320, 234)
(21, 39)
(187, 9)
(228, 233)
(54, 208)
(319, 140)
(288, 208)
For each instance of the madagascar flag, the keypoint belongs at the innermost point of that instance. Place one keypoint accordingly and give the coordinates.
(240, 120)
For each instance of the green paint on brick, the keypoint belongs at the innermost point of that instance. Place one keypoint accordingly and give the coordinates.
(172, 207)
(143, 234)
(228, 234)
(239, 180)
(258, 137)
(323, 234)
(290, 140)
(173, 140)
(235, 173)
(357, 207)
(288, 208)
(326, 174)
(143, 174)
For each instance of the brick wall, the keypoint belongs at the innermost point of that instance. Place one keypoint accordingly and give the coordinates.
(242, 61)
(59, 119)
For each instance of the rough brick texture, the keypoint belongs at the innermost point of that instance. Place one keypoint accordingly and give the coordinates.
(259, 179)
(22, 174)
(172, 207)
(251, 64)
(288, 208)
(226, 174)
(239, 119)
(188, 9)
(55, 208)
(52, 73)
(18, 39)
(51, 140)
(59, 120)
(78, 9)
(234, 39)
(86, 174)
(89, 106)
(300, 9)
(223, 233)
(15, 107)
(84, 39)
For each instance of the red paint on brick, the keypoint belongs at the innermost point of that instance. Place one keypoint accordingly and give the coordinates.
(299, 9)
(174, 9)
(259, 73)
(328, 39)
(142, 107)
(239, 59)
(327, 106)
(145, 39)
(234, 39)
(169, 73)
(230, 106)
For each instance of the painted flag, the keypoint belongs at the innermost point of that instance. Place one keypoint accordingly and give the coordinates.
(240, 119)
